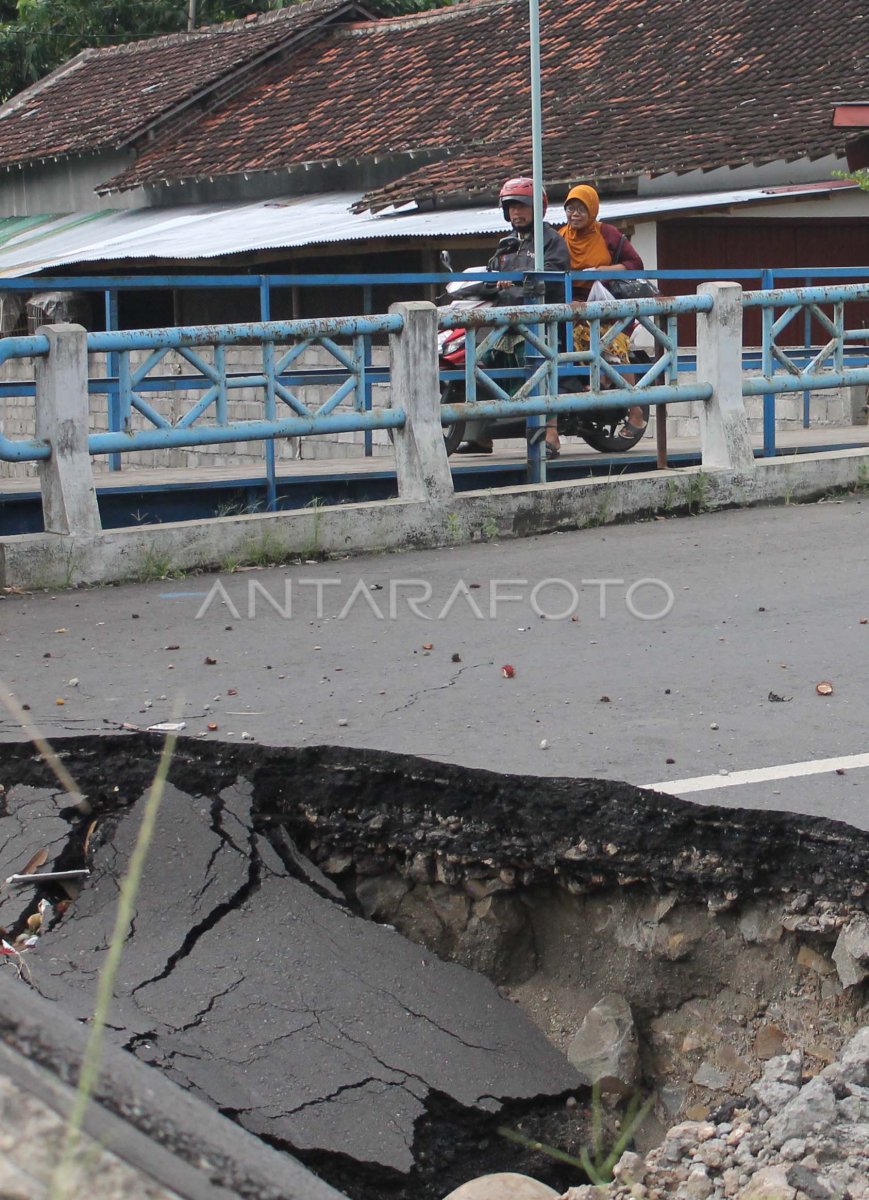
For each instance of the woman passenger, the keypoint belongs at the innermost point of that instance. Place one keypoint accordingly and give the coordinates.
(593, 244)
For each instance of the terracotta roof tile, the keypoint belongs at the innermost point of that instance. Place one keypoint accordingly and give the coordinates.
(105, 97)
(630, 87)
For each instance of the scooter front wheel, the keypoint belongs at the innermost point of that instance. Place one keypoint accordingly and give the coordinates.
(453, 393)
(453, 434)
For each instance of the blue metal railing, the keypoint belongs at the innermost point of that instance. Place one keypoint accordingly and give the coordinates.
(609, 383)
(281, 376)
(803, 367)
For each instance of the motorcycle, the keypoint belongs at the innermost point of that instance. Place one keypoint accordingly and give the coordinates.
(603, 429)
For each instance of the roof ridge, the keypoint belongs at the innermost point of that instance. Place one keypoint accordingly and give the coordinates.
(223, 28)
(451, 10)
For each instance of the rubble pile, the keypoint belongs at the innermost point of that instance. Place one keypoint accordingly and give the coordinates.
(795, 1138)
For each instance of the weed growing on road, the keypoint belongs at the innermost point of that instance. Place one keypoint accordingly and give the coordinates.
(690, 492)
(600, 1168)
(598, 1160)
(268, 551)
(312, 549)
(154, 565)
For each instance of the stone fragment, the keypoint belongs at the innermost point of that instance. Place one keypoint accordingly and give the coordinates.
(808, 1181)
(730, 1181)
(811, 1111)
(769, 1041)
(711, 1077)
(770, 1183)
(698, 1185)
(630, 1169)
(785, 1068)
(505, 1185)
(773, 1095)
(855, 1058)
(605, 1047)
(712, 1153)
(851, 952)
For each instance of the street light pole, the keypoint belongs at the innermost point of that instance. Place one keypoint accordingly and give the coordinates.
(536, 131)
(535, 426)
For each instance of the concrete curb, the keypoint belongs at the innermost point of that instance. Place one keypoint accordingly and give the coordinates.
(52, 561)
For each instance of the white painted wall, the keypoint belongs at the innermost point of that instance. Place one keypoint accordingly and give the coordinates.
(775, 174)
(66, 185)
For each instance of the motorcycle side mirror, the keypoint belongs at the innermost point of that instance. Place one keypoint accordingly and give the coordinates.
(446, 261)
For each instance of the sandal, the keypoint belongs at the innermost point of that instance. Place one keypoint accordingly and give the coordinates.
(552, 452)
(474, 448)
(632, 433)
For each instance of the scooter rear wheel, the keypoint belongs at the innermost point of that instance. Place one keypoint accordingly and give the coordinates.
(606, 435)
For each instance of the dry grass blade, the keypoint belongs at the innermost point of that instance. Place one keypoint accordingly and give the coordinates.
(61, 774)
(90, 1069)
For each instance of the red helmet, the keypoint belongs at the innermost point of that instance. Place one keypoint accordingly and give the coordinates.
(522, 189)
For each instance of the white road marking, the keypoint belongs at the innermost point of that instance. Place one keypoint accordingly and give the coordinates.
(709, 783)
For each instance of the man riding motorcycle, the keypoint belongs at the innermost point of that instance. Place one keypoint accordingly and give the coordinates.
(516, 253)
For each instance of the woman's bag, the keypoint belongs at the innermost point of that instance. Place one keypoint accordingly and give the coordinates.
(629, 289)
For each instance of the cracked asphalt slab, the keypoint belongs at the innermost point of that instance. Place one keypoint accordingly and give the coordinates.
(260, 993)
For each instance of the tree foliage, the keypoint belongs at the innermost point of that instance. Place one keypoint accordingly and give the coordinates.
(38, 35)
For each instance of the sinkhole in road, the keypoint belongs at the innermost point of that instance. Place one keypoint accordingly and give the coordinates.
(380, 964)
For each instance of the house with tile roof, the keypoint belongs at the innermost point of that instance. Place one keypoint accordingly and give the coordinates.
(318, 137)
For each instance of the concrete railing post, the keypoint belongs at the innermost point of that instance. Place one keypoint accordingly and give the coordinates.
(724, 436)
(69, 501)
(421, 464)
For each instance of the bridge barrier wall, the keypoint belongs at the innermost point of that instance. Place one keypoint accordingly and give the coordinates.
(427, 511)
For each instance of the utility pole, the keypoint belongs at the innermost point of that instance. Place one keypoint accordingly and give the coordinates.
(536, 132)
(191, 15)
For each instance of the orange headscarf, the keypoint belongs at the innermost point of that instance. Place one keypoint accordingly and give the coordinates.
(588, 249)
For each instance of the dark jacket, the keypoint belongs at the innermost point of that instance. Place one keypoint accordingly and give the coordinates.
(516, 253)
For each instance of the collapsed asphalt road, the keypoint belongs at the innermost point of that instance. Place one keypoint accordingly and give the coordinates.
(248, 979)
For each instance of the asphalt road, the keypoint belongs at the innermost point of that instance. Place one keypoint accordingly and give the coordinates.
(764, 603)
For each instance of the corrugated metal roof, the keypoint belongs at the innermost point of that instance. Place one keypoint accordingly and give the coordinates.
(196, 232)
